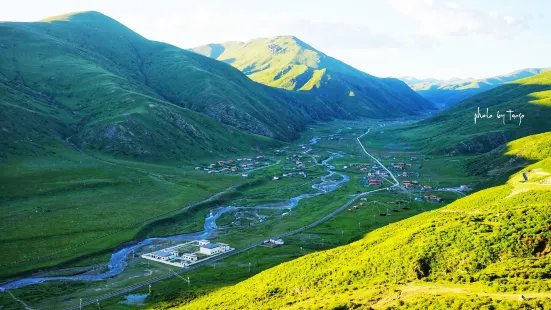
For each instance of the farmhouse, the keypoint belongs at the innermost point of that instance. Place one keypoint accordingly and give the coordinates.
(191, 257)
(277, 241)
(213, 249)
(375, 183)
(161, 255)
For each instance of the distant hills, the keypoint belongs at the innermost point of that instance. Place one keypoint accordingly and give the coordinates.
(445, 93)
(287, 62)
(453, 131)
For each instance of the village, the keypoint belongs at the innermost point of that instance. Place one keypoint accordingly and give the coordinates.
(409, 174)
(239, 165)
(189, 253)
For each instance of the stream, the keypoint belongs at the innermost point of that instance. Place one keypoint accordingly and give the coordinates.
(118, 261)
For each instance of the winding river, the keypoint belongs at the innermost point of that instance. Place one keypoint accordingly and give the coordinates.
(118, 261)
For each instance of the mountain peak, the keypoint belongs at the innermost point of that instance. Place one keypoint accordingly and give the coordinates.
(70, 16)
(291, 39)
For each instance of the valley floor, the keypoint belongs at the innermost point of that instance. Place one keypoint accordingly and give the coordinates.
(243, 227)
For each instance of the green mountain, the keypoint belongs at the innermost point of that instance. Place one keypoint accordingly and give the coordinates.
(87, 80)
(445, 93)
(289, 63)
(454, 131)
(472, 254)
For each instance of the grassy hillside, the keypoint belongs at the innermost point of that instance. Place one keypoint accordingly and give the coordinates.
(454, 131)
(99, 127)
(481, 251)
(86, 79)
(289, 63)
(448, 93)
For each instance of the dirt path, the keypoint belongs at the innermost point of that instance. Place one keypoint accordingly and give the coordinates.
(19, 300)
(415, 289)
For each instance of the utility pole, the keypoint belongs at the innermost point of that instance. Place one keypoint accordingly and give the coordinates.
(149, 289)
(249, 267)
(80, 306)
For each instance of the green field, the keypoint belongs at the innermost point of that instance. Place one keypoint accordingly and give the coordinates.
(344, 228)
(482, 251)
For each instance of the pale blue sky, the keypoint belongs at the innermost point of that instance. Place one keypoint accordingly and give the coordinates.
(421, 38)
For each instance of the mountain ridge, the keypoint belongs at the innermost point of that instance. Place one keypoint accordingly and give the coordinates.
(121, 83)
(288, 62)
(445, 93)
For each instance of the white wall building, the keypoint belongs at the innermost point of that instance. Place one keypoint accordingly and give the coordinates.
(192, 257)
(210, 249)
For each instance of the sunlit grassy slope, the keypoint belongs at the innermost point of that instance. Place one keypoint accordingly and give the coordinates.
(448, 93)
(494, 242)
(454, 131)
(289, 63)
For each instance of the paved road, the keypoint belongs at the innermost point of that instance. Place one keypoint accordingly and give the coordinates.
(243, 249)
(375, 159)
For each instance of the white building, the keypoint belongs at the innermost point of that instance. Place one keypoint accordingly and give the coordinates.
(161, 255)
(210, 249)
(173, 252)
(203, 242)
(192, 257)
(224, 247)
(277, 241)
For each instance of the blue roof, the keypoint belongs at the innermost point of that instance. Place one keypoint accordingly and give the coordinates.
(209, 246)
(162, 253)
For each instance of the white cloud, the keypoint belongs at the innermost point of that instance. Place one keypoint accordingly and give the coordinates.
(441, 18)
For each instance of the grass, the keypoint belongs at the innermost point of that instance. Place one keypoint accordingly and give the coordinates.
(453, 131)
(76, 193)
(342, 229)
(489, 242)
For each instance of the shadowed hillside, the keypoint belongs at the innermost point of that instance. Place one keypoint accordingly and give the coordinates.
(289, 63)
(86, 79)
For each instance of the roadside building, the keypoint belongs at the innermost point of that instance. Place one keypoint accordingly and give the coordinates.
(161, 255)
(210, 249)
(375, 183)
(191, 257)
(214, 249)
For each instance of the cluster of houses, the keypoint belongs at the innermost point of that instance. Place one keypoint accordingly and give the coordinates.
(290, 175)
(374, 179)
(231, 165)
(296, 162)
(356, 207)
(172, 255)
(365, 167)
